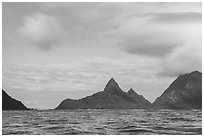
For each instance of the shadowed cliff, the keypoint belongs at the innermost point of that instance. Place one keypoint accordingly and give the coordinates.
(8, 103)
(184, 93)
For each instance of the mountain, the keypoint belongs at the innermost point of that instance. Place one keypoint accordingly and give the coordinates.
(8, 103)
(184, 93)
(112, 97)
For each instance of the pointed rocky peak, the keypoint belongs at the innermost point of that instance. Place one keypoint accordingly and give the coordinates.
(132, 92)
(112, 85)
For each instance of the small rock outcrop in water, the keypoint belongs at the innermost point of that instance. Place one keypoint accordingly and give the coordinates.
(112, 97)
(184, 93)
(8, 103)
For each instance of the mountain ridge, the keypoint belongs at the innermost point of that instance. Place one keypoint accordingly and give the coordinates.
(188, 89)
(112, 97)
(185, 92)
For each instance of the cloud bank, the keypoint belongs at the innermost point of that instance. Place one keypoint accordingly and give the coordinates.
(183, 60)
(173, 37)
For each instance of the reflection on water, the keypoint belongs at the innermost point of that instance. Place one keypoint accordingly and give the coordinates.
(102, 121)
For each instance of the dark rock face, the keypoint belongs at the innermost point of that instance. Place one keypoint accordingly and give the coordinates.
(184, 93)
(8, 103)
(112, 86)
(111, 98)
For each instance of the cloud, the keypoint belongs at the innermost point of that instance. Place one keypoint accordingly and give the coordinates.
(175, 17)
(84, 20)
(183, 60)
(174, 38)
(149, 44)
(158, 38)
(87, 74)
(41, 30)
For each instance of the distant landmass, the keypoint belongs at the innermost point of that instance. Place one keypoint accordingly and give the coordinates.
(112, 97)
(184, 93)
(8, 103)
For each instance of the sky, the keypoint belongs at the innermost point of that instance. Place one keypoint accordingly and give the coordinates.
(54, 51)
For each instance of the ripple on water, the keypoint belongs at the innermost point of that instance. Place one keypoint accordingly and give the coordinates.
(137, 131)
(83, 122)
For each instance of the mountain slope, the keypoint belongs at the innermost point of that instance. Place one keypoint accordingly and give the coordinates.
(8, 103)
(112, 97)
(184, 93)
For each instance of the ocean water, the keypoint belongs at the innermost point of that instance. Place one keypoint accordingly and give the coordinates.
(102, 121)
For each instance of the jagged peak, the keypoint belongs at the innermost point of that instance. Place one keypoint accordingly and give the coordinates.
(131, 91)
(112, 85)
(112, 80)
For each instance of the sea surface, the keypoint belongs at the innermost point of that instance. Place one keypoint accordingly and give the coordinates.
(102, 121)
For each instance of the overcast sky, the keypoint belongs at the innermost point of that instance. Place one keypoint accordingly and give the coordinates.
(54, 51)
